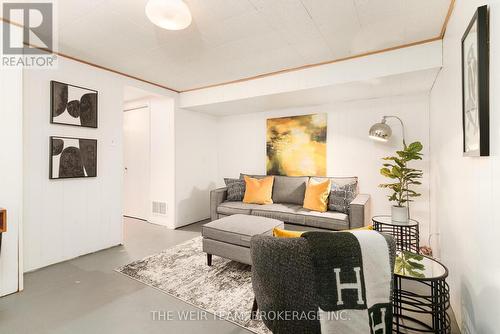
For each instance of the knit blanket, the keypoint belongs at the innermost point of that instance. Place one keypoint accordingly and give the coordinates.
(353, 278)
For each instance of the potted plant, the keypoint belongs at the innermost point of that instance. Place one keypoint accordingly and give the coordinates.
(396, 168)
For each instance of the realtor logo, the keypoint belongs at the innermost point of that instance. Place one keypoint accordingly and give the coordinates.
(29, 38)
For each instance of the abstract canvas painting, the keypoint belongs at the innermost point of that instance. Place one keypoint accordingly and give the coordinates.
(475, 86)
(72, 158)
(73, 105)
(296, 145)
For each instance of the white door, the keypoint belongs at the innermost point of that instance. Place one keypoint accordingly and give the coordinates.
(136, 149)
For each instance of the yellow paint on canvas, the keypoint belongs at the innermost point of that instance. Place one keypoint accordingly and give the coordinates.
(296, 146)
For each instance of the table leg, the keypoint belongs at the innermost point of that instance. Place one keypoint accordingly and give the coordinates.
(396, 308)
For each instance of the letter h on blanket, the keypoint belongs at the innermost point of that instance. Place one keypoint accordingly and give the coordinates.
(349, 286)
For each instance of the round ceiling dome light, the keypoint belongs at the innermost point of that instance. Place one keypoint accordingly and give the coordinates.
(169, 14)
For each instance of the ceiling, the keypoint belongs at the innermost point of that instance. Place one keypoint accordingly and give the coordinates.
(234, 39)
(411, 83)
(131, 94)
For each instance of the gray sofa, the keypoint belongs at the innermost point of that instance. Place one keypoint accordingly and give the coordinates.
(288, 197)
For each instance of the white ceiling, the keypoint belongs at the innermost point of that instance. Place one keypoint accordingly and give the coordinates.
(394, 85)
(234, 39)
(131, 94)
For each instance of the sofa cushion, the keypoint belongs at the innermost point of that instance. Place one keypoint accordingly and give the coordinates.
(327, 220)
(288, 213)
(289, 189)
(234, 208)
(235, 189)
(316, 197)
(239, 229)
(280, 233)
(338, 180)
(258, 191)
(281, 211)
(342, 196)
(242, 176)
(295, 214)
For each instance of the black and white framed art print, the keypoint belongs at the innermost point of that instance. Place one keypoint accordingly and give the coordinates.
(73, 105)
(72, 158)
(475, 86)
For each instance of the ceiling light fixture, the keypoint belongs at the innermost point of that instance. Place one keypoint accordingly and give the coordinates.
(169, 14)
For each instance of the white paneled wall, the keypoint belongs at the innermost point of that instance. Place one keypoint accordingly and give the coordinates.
(11, 177)
(242, 144)
(195, 165)
(64, 219)
(67, 218)
(466, 191)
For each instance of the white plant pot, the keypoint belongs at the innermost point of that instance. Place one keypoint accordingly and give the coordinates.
(400, 214)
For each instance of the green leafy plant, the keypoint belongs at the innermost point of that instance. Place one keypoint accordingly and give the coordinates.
(408, 263)
(397, 169)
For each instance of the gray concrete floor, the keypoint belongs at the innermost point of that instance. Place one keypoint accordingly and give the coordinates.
(86, 295)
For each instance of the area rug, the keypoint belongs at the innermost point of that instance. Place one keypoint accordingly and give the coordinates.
(224, 290)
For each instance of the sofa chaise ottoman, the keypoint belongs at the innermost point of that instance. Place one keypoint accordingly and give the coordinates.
(229, 237)
(288, 197)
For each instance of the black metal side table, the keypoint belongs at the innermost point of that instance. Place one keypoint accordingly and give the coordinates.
(421, 295)
(406, 234)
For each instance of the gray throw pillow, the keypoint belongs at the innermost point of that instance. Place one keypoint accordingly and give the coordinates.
(342, 196)
(235, 189)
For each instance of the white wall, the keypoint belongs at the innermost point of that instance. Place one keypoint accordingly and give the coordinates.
(11, 181)
(242, 144)
(67, 218)
(195, 165)
(183, 161)
(163, 158)
(466, 191)
(11, 177)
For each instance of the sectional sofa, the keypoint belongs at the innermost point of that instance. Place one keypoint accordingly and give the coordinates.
(288, 197)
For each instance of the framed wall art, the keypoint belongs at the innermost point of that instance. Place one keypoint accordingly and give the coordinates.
(296, 145)
(72, 158)
(475, 86)
(73, 105)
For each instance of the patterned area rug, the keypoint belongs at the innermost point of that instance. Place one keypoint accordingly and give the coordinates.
(224, 289)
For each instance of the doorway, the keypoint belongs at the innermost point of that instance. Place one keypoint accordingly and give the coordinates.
(148, 156)
(136, 159)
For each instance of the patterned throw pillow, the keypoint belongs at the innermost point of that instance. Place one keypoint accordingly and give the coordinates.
(235, 189)
(342, 196)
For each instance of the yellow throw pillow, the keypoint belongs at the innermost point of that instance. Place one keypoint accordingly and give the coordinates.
(258, 191)
(316, 198)
(279, 233)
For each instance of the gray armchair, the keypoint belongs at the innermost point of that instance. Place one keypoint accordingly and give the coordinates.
(283, 280)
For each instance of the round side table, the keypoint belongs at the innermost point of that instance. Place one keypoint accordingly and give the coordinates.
(406, 234)
(425, 305)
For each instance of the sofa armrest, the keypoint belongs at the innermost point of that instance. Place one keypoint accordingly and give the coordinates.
(217, 196)
(359, 211)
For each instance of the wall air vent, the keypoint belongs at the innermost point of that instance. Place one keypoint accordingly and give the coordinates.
(159, 208)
